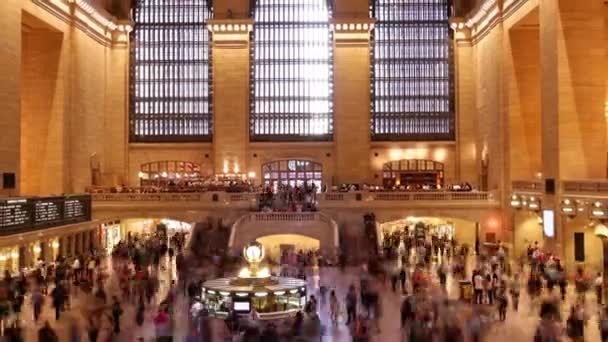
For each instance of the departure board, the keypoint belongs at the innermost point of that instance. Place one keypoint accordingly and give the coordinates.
(76, 208)
(48, 210)
(14, 213)
(26, 214)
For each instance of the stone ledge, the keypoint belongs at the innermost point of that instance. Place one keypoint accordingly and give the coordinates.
(91, 20)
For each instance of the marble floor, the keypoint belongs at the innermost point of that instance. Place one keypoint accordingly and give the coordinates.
(519, 326)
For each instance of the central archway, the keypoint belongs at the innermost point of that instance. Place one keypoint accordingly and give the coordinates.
(276, 244)
(316, 226)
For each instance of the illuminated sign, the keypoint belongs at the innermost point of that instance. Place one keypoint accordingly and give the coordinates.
(549, 222)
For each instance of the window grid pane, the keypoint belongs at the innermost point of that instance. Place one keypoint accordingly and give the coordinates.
(170, 71)
(292, 71)
(412, 76)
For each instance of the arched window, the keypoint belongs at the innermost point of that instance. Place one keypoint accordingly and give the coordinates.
(292, 172)
(413, 174)
(412, 88)
(169, 172)
(170, 71)
(292, 71)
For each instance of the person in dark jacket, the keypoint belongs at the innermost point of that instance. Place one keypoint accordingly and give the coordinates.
(47, 334)
(116, 313)
(58, 295)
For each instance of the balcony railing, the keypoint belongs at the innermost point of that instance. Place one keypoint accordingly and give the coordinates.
(409, 196)
(590, 187)
(286, 217)
(532, 186)
(175, 197)
(329, 197)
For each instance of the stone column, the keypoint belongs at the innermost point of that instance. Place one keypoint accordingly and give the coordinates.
(230, 63)
(10, 96)
(466, 124)
(86, 241)
(574, 69)
(352, 147)
(549, 113)
(71, 245)
(116, 129)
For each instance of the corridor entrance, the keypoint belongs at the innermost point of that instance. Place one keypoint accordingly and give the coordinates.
(427, 228)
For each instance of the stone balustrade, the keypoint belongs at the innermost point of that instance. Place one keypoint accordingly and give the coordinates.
(590, 187)
(529, 186)
(286, 217)
(324, 199)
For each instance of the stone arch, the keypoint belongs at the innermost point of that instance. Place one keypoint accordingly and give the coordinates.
(313, 225)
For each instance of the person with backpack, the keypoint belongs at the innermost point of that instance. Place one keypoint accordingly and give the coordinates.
(59, 294)
(515, 291)
(311, 306)
(402, 279)
(575, 325)
(351, 305)
(334, 307)
(116, 313)
(501, 299)
(47, 334)
(603, 324)
(408, 310)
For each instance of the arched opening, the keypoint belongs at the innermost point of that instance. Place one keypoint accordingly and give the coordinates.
(112, 232)
(413, 174)
(293, 172)
(429, 228)
(276, 245)
(165, 173)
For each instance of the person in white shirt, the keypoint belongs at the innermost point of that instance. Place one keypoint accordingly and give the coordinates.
(599, 287)
(478, 287)
(90, 269)
(76, 268)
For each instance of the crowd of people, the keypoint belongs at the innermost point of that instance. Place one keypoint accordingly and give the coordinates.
(289, 198)
(177, 186)
(135, 266)
(415, 268)
(391, 186)
(238, 185)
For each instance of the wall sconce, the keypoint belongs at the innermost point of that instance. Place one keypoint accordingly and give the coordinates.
(55, 244)
(568, 207)
(140, 174)
(533, 204)
(37, 249)
(3, 258)
(251, 175)
(598, 211)
(15, 255)
(515, 202)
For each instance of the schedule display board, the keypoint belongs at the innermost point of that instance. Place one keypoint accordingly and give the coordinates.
(15, 213)
(48, 211)
(24, 214)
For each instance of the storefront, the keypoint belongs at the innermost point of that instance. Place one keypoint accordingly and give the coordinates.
(110, 235)
(176, 226)
(463, 231)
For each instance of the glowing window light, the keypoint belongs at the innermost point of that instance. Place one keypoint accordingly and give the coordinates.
(292, 70)
(170, 71)
(412, 86)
